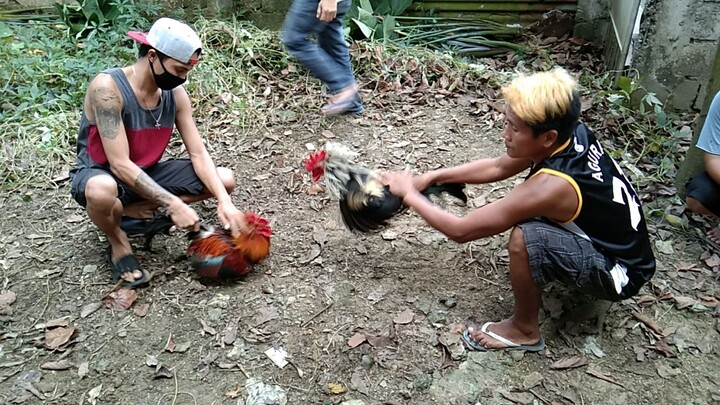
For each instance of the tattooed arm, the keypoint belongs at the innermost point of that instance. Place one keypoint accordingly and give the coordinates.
(203, 165)
(103, 104)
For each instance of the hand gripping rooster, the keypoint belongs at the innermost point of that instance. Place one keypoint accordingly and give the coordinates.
(365, 203)
(215, 253)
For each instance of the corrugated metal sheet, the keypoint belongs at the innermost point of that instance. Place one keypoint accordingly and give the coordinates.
(506, 11)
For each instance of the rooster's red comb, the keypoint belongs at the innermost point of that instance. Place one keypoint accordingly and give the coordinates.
(315, 160)
(262, 225)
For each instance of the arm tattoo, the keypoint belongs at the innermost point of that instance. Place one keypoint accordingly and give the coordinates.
(106, 104)
(148, 188)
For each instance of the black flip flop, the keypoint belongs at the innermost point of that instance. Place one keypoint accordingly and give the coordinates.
(159, 224)
(125, 264)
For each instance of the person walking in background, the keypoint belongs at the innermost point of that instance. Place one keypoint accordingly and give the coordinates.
(328, 59)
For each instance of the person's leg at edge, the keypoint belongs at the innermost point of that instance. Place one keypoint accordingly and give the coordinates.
(300, 22)
(523, 327)
(332, 40)
(703, 196)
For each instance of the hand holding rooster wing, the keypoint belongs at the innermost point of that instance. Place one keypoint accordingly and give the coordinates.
(183, 215)
(232, 218)
(400, 183)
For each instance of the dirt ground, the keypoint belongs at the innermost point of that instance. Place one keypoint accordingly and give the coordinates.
(396, 296)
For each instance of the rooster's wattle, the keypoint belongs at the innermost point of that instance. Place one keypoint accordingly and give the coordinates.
(365, 202)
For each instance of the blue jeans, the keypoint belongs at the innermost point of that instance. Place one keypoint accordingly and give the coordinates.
(328, 59)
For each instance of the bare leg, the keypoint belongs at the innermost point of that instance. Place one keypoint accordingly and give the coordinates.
(696, 206)
(523, 326)
(105, 211)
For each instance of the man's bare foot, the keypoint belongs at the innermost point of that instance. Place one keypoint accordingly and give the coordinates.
(714, 235)
(508, 329)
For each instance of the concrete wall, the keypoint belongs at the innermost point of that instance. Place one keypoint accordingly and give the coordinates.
(592, 20)
(679, 39)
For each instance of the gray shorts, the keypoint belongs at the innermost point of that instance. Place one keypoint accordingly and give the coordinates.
(556, 254)
(177, 176)
(704, 189)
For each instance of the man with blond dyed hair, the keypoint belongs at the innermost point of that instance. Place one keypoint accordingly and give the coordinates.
(575, 219)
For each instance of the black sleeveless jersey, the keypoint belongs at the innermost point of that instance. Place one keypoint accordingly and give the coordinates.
(609, 212)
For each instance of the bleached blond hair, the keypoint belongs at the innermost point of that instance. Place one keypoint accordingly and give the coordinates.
(542, 97)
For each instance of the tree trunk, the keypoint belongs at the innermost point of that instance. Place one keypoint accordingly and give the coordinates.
(693, 163)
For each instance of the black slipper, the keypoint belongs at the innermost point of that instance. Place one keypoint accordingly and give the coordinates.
(159, 224)
(127, 264)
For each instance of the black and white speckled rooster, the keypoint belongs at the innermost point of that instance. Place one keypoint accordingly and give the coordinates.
(365, 202)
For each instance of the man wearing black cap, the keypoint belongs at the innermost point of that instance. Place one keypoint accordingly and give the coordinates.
(128, 118)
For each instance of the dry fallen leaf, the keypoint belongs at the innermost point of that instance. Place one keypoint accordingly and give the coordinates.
(207, 328)
(404, 317)
(336, 388)
(684, 302)
(569, 362)
(230, 334)
(684, 266)
(94, 393)
(162, 372)
(83, 369)
(88, 309)
(713, 260)
(328, 134)
(141, 310)
(663, 347)
(170, 345)
(151, 361)
(57, 337)
(57, 365)
(356, 340)
(595, 373)
(235, 392)
(121, 299)
(57, 322)
(379, 341)
(319, 235)
(265, 314)
(7, 298)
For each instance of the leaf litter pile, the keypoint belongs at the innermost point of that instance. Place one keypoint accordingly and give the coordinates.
(333, 317)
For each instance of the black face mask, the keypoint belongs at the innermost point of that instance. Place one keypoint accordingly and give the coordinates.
(166, 80)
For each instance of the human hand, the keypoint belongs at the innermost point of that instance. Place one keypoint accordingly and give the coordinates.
(327, 10)
(400, 183)
(423, 181)
(183, 216)
(231, 218)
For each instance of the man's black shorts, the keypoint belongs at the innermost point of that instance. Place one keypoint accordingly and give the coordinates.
(175, 175)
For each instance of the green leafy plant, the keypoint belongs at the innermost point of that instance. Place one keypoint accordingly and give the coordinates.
(375, 19)
(649, 134)
(86, 17)
(383, 20)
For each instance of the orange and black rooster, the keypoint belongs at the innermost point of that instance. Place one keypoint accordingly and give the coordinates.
(365, 203)
(214, 253)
